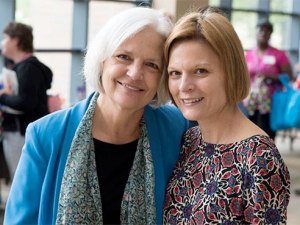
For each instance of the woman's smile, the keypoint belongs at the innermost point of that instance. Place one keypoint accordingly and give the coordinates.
(130, 87)
(191, 101)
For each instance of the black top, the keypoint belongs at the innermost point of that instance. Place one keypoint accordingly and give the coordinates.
(113, 164)
(34, 78)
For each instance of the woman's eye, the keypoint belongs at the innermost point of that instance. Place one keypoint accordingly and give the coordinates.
(201, 71)
(123, 57)
(174, 73)
(152, 65)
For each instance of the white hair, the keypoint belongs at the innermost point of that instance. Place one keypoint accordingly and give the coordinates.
(114, 33)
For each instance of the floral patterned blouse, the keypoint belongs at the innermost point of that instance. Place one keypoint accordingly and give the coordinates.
(245, 182)
(262, 89)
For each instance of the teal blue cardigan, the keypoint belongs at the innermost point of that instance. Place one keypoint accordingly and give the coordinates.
(34, 194)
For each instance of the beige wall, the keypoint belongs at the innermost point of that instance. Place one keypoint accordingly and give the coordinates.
(177, 8)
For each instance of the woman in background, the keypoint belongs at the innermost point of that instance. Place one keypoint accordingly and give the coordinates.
(107, 159)
(265, 64)
(229, 171)
(24, 99)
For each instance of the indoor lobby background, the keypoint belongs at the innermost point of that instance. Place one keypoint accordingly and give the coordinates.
(62, 30)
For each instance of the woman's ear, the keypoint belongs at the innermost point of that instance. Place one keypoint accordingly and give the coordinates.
(100, 84)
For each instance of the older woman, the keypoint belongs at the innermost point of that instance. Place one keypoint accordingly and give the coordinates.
(230, 171)
(107, 159)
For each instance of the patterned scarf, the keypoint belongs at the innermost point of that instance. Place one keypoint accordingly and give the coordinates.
(80, 200)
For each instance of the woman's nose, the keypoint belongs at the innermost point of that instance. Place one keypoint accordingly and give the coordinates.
(186, 83)
(135, 71)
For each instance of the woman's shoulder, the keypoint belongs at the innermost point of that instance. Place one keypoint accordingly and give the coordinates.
(260, 146)
(167, 111)
(54, 118)
(57, 120)
(192, 137)
(276, 52)
(258, 140)
(166, 108)
(167, 118)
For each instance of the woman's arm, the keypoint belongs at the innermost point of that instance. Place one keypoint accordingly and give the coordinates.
(267, 183)
(287, 68)
(24, 198)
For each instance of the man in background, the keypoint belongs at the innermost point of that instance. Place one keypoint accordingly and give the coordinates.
(30, 100)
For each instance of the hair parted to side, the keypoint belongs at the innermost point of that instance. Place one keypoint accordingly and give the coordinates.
(211, 25)
(23, 33)
(119, 28)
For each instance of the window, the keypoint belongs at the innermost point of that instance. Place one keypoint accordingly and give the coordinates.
(52, 28)
(51, 21)
(282, 6)
(101, 11)
(245, 26)
(245, 4)
(280, 38)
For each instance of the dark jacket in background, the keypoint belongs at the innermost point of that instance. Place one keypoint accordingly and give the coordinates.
(34, 78)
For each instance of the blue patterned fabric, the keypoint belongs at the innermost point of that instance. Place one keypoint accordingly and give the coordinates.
(80, 201)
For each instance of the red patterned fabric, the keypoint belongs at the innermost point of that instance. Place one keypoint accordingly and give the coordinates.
(245, 182)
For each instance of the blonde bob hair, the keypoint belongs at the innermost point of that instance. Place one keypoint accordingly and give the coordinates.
(119, 28)
(211, 25)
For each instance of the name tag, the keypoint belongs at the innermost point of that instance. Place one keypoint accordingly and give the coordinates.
(269, 59)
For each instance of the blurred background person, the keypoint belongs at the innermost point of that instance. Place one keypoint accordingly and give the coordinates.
(4, 172)
(265, 64)
(297, 81)
(30, 101)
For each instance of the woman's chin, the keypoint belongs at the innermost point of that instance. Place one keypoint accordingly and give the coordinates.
(193, 116)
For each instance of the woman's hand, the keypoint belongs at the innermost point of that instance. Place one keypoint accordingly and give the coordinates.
(271, 79)
(7, 86)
